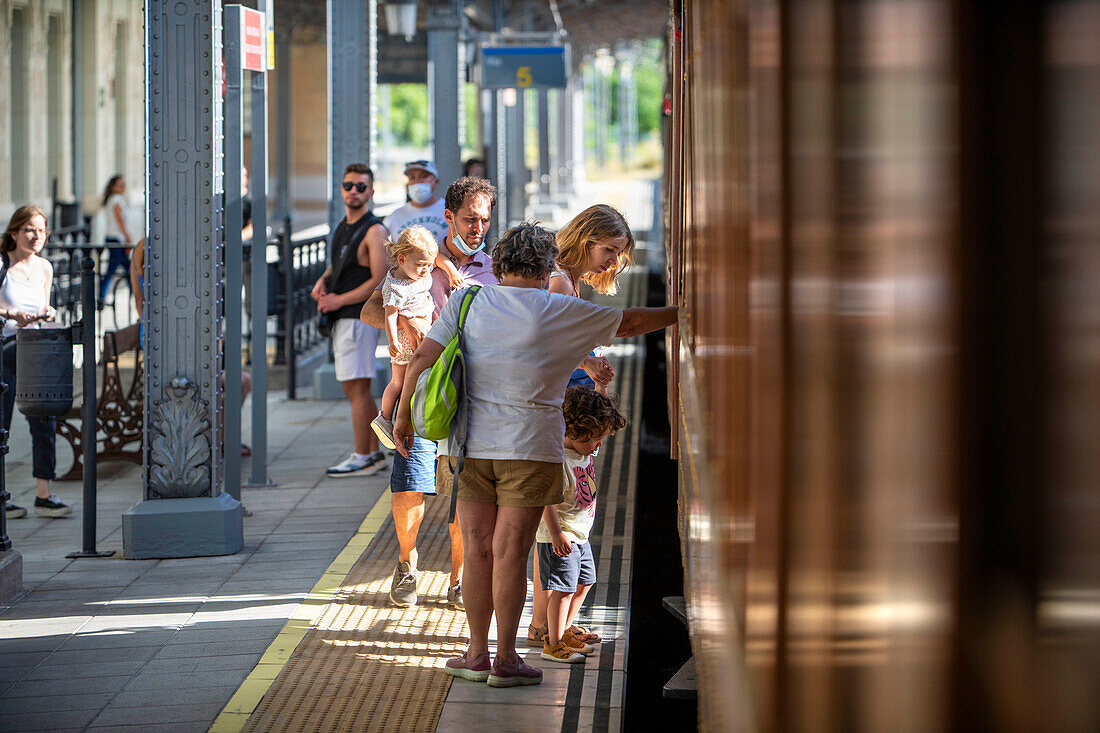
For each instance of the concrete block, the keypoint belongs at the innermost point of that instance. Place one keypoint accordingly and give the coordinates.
(325, 386)
(11, 574)
(197, 527)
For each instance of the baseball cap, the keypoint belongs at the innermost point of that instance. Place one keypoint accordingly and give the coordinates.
(424, 165)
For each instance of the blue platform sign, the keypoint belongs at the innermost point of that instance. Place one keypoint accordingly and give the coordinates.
(523, 67)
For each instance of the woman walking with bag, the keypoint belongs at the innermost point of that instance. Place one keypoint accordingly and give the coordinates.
(520, 345)
(26, 279)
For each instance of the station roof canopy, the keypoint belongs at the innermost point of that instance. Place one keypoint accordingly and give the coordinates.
(589, 24)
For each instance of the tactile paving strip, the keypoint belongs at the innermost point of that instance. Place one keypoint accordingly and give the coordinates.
(366, 665)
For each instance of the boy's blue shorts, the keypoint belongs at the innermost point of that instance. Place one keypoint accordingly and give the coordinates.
(564, 574)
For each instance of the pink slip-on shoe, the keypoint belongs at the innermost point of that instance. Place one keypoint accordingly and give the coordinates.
(475, 669)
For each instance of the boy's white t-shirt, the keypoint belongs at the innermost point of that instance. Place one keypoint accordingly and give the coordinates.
(521, 345)
(578, 511)
(429, 217)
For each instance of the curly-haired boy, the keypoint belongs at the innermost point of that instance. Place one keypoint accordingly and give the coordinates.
(566, 567)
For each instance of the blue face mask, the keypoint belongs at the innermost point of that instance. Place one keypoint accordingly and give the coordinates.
(458, 242)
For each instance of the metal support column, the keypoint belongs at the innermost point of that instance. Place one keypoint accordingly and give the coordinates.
(518, 174)
(545, 174)
(234, 265)
(499, 164)
(446, 75)
(185, 511)
(566, 135)
(283, 159)
(259, 270)
(352, 79)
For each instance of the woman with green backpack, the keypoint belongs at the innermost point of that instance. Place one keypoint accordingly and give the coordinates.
(520, 344)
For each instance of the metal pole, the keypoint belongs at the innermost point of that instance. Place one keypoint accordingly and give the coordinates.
(544, 145)
(89, 426)
(288, 318)
(5, 541)
(259, 272)
(282, 123)
(233, 263)
(78, 101)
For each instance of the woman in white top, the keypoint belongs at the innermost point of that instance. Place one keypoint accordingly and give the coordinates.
(521, 344)
(116, 230)
(595, 247)
(25, 303)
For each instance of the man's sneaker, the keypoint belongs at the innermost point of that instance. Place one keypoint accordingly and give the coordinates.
(513, 673)
(14, 511)
(356, 465)
(383, 428)
(51, 506)
(561, 653)
(454, 597)
(403, 585)
(475, 669)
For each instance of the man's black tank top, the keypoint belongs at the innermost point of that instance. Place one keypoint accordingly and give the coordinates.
(352, 274)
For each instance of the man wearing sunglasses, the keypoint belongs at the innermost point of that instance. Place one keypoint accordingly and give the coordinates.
(358, 266)
(424, 208)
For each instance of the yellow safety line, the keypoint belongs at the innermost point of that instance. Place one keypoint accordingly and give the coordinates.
(248, 696)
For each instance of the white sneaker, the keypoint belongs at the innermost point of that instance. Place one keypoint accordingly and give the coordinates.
(383, 428)
(353, 465)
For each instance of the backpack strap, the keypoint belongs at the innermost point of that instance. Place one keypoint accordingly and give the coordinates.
(463, 403)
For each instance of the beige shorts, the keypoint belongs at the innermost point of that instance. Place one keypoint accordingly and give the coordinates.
(500, 482)
(353, 344)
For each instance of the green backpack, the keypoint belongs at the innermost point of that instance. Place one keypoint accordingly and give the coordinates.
(441, 390)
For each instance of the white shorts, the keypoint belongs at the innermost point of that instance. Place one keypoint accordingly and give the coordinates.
(353, 344)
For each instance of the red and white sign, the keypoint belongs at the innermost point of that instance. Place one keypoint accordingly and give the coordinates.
(253, 40)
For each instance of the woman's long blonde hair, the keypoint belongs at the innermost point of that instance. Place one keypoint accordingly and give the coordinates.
(597, 223)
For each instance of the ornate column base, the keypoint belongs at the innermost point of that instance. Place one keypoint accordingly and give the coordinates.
(161, 528)
(11, 574)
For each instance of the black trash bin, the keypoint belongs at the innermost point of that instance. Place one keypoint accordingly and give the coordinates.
(44, 369)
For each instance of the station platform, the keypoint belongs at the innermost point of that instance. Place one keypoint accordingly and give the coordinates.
(295, 632)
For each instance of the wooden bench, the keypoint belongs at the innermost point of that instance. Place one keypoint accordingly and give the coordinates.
(119, 410)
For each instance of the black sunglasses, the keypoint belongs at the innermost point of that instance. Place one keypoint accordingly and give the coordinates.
(360, 187)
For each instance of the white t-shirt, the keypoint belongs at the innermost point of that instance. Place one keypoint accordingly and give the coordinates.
(577, 512)
(110, 223)
(429, 217)
(521, 345)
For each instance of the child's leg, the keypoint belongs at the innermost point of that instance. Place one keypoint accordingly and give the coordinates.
(557, 608)
(575, 602)
(538, 600)
(392, 394)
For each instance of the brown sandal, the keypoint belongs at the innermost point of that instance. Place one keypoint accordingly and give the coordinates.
(536, 636)
(589, 637)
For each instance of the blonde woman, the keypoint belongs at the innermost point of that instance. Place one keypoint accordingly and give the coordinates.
(25, 303)
(595, 247)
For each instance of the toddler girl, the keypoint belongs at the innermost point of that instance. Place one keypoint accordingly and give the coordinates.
(405, 292)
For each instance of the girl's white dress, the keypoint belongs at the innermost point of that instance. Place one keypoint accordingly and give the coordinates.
(412, 299)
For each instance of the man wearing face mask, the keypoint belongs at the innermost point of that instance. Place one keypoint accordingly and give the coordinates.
(424, 208)
(469, 208)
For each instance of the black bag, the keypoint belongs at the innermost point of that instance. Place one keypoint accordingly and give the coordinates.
(325, 324)
(325, 321)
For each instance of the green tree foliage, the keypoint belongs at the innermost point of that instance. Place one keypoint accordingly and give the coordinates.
(409, 115)
(649, 74)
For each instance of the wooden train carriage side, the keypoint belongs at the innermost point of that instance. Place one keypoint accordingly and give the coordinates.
(876, 223)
